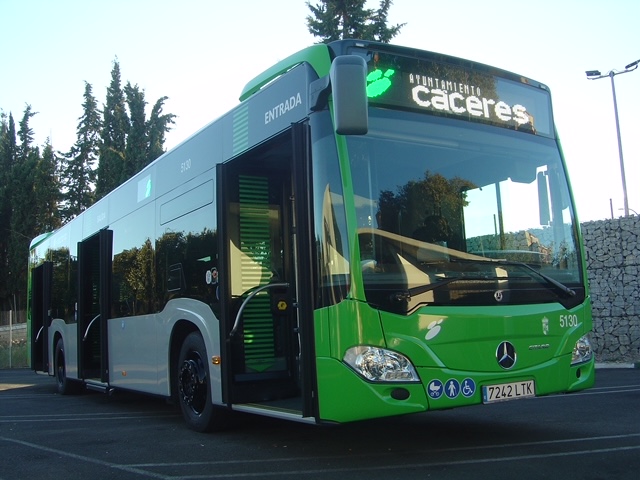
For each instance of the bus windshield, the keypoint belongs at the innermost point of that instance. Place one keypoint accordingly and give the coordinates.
(459, 213)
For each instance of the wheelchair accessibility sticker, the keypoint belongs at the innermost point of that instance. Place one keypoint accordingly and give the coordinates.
(468, 387)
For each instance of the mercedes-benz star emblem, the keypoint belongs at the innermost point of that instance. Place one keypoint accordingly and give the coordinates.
(506, 355)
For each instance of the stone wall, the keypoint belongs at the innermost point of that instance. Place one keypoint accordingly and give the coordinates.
(613, 265)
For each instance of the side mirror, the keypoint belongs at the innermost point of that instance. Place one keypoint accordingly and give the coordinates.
(348, 76)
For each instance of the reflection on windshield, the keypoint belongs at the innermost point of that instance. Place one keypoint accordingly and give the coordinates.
(437, 200)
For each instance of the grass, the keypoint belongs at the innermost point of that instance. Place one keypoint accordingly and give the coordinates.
(18, 353)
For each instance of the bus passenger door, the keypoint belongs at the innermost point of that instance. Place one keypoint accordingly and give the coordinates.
(41, 278)
(94, 291)
(261, 319)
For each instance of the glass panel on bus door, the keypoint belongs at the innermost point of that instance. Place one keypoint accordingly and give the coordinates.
(94, 260)
(264, 344)
(41, 278)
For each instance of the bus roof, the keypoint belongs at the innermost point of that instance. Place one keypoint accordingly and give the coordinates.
(39, 239)
(317, 56)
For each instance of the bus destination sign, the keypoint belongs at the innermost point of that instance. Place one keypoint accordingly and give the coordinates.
(447, 89)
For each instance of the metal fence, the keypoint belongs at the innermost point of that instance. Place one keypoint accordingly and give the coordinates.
(13, 339)
(12, 317)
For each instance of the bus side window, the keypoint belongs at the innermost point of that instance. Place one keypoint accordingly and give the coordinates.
(186, 250)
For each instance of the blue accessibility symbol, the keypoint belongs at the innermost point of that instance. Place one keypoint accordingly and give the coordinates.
(435, 389)
(468, 387)
(452, 388)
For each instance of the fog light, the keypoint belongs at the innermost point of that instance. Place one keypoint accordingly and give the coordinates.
(400, 394)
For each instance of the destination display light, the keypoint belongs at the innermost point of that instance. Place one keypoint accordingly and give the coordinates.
(452, 90)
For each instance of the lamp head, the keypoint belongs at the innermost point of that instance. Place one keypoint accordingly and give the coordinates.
(632, 64)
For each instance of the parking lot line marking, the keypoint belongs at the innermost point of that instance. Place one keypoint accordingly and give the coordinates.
(493, 459)
(360, 469)
(83, 458)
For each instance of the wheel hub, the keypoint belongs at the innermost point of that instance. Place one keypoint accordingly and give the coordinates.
(192, 383)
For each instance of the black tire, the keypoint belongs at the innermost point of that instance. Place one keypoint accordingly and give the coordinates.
(194, 389)
(64, 385)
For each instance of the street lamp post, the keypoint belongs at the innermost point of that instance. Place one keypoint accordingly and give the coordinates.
(595, 75)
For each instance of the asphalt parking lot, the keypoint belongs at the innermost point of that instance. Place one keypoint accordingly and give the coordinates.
(592, 434)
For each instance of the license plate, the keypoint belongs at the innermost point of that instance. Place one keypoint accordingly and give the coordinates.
(508, 391)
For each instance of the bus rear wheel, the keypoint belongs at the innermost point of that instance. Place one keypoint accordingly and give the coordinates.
(194, 390)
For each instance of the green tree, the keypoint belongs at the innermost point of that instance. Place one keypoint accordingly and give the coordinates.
(377, 28)
(157, 126)
(8, 142)
(38, 192)
(22, 224)
(115, 127)
(8, 152)
(339, 19)
(129, 141)
(25, 135)
(78, 174)
(136, 150)
(46, 192)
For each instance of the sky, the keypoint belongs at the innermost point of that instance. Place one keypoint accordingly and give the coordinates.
(200, 54)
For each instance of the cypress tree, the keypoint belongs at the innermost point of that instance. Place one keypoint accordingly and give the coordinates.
(8, 151)
(22, 224)
(137, 140)
(46, 198)
(157, 126)
(25, 134)
(115, 127)
(78, 174)
(128, 141)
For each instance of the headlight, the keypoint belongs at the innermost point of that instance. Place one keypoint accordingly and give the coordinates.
(582, 351)
(380, 365)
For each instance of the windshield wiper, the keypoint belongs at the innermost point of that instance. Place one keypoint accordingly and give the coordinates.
(562, 287)
(405, 295)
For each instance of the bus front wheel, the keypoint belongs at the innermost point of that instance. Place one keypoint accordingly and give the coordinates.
(64, 385)
(194, 390)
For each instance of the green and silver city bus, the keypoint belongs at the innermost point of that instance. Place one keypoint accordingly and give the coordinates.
(373, 231)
